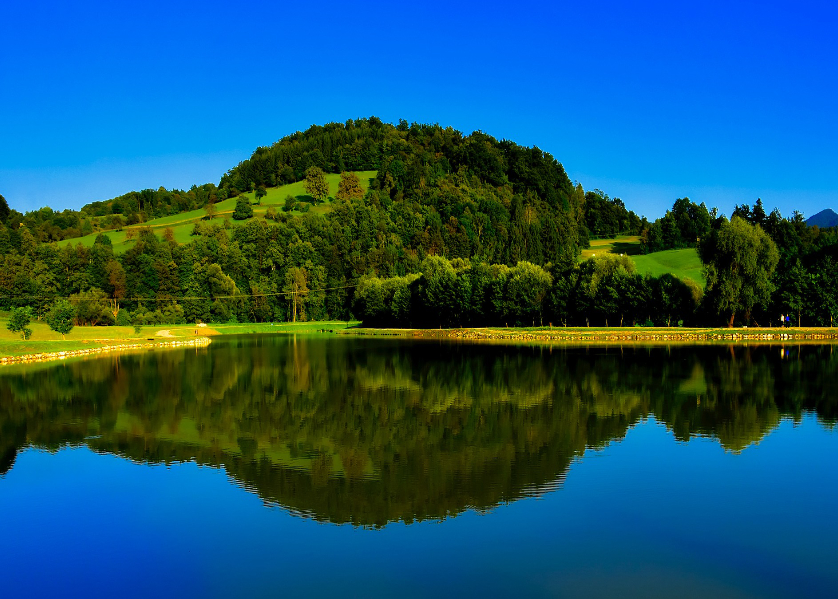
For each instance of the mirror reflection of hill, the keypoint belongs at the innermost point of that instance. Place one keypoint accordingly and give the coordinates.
(370, 431)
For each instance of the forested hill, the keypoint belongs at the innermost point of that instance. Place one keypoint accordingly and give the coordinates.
(446, 193)
(451, 230)
(436, 192)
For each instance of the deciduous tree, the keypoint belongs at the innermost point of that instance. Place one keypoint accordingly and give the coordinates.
(349, 187)
(60, 317)
(315, 184)
(19, 321)
(739, 259)
(243, 209)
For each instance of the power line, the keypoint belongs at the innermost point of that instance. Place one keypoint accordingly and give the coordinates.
(189, 297)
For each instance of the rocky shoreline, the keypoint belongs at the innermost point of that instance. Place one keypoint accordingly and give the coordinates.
(621, 336)
(63, 355)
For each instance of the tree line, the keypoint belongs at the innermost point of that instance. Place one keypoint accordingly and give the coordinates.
(455, 230)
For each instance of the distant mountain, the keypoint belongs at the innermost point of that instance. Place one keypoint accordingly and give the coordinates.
(824, 218)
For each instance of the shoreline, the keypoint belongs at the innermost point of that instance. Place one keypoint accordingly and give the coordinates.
(96, 351)
(564, 336)
(615, 336)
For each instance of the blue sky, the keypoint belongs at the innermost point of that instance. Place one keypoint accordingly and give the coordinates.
(649, 102)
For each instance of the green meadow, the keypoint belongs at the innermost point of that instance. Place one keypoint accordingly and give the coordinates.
(45, 340)
(684, 264)
(183, 223)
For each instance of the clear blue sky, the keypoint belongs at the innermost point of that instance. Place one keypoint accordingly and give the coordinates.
(722, 102)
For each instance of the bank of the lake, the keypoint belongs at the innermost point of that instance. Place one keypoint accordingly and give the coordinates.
(615, 335)
(45, 344)
(86, 341)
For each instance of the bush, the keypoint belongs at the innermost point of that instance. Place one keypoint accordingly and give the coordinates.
(123, 319)
(243, 209)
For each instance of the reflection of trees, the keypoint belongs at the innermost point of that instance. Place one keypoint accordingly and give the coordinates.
(370, 431)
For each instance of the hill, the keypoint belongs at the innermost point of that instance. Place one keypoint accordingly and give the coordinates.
(823, 219)
(447, 230)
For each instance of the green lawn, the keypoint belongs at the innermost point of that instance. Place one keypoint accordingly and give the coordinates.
(623, 244)
(45, 340)
(183, 223)
(684, 264)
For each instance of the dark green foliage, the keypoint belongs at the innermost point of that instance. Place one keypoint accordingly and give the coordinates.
(123, 319)
(129, 209)
(260, 193)
(454, 230)
(19, 321)
(91, 308)
(243, 209)
(61, 316)
(739, 260)
(4, 210)
(606, 217)
(682, 227)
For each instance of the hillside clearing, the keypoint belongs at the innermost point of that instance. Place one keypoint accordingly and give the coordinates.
(183, 223)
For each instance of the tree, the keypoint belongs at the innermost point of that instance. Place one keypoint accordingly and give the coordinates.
(296, 285)
(739, 259)
(795, 289)
(349, 187)
(19, 320)
(92, 307)
(315, 184)
(4, 210)
(527, 287)
(61, 316)
(260, 193)
(210, 210)
(243, 208)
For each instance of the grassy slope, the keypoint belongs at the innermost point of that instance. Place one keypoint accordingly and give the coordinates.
(684, 264)
(45, 340)
(183, 223)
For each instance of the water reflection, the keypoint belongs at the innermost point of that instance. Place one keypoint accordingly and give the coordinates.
(373, 431)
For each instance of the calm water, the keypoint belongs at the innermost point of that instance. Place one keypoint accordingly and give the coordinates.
(324, 466)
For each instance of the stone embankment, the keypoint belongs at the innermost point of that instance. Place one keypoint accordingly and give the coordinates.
(105, 349)
(627, 336)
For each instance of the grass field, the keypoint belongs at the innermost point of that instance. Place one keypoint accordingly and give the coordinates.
(183, 223)
(684, 264)
(625, 244)
(44, 340)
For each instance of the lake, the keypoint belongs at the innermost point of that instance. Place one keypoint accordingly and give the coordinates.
(322, 466)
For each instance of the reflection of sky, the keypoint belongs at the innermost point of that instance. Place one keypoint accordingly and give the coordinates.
(644, 516)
